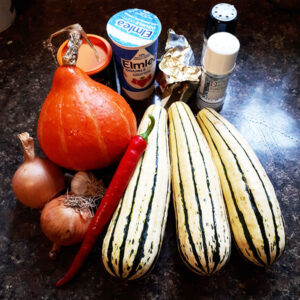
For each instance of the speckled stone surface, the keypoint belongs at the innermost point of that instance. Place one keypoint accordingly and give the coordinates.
(262, 102)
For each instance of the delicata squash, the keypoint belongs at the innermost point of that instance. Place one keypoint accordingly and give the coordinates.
(203, 232)
(134, 237)
(253, 209)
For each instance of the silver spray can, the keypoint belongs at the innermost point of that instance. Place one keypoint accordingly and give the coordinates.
(218, 63)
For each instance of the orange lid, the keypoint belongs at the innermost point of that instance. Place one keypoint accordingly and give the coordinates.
(87, 59)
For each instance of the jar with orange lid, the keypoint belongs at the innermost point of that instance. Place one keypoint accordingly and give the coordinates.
(101, 70)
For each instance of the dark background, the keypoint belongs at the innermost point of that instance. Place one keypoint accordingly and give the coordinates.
(262, 102)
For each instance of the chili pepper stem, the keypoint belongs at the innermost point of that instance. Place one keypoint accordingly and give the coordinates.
(149, 129)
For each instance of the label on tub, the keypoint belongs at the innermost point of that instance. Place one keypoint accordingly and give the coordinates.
(136, 68)
(134, 35)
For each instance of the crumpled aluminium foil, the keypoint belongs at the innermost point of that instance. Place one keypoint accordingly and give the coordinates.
(179, 76)
(178, 63)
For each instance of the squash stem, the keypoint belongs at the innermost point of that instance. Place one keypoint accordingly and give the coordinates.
(70, 57)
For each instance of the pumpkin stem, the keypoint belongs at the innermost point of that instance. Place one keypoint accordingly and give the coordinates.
(70, 57)
(76, 32)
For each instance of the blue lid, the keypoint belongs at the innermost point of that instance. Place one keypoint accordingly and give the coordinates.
(133, 28)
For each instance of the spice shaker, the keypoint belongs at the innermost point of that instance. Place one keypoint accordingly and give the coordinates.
(222, 18)
(218, 63)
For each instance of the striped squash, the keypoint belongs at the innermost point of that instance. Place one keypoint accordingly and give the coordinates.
(254, 212)
(203, 231)
(134, 236)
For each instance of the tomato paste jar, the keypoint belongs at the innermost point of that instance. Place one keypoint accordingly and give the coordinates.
(134, 38)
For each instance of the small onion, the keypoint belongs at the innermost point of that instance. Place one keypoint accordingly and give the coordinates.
(65, 220)
(86, 184)
(37, 180)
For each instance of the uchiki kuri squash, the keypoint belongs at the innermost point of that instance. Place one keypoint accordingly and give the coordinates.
(83, 124)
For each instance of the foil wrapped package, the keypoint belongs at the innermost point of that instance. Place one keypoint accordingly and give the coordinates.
(178, 76)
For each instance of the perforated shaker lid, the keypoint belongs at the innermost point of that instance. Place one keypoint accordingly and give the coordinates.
(221, 53)
(222, 18)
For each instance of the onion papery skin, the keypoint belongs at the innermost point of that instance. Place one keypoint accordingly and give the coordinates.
(84, 125)
(64, 225)
(37, 181)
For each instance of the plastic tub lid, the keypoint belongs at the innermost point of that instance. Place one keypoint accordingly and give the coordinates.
(133, 28)
(87, 60)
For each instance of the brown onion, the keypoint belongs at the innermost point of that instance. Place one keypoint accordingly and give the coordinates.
(65, 220)
(37, 180)
(86, 184)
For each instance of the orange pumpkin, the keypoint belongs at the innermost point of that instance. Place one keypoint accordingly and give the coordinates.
(84, 124)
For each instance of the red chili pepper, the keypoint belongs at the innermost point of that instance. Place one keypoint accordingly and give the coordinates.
(110, 200)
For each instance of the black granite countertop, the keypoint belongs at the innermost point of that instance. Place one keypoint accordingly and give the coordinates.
(262, 102)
